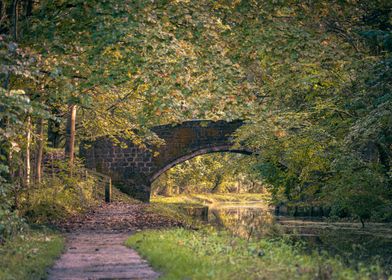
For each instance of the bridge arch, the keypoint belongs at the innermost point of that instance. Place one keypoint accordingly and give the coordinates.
(204, 151)
(133, 169)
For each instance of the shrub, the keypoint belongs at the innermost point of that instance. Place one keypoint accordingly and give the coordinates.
(62, 193)
(10, 224)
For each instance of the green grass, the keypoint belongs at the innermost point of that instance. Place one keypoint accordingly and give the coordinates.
(186, 254)
(28, 256)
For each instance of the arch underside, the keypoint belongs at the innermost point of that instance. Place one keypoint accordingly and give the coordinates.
(202, 151)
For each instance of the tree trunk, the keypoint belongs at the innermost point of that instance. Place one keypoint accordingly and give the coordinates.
(40, 149)
(18, 185)
(70, 134)
(29, 8)
(54, 136)
(217, 183)
(28, 157)
(168, 190)
(15, 16)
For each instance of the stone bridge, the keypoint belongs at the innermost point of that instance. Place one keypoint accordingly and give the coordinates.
(133, 169)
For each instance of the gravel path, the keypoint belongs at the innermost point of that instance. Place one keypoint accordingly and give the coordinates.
(95, 244)
(100, 256)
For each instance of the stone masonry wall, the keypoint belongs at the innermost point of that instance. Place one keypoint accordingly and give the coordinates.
(133, 169)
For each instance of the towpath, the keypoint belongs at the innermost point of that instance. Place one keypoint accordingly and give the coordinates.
(95, 244)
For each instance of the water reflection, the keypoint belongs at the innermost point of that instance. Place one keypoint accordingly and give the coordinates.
(243, 220)
(348, 240)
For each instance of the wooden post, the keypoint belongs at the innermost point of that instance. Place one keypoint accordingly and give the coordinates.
(108, 191)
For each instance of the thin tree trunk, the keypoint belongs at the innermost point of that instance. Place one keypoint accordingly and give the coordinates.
(167, 190)
(15, 17)
(168, 186)
(217, 183)
(53, 132)
(70, 134)
(362, 222)
(18, 185)
(40, 149)
(28, 157)
(29, 8)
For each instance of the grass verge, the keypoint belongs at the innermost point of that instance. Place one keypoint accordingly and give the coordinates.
(29, 255)
(187, 254)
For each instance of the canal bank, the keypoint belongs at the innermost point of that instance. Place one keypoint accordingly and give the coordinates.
(254, 221)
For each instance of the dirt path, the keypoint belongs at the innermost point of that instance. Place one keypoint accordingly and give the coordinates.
(95, 244)
(100, 256)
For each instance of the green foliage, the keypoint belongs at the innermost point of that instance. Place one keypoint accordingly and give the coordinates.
(16, 105)
(61, 194)
(325, 101)
(10, 224)
(133, 64)
(29, 255)
(359, 188)
(213, 173)
(180, 254)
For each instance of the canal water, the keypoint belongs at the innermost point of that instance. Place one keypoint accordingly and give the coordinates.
(347, 240)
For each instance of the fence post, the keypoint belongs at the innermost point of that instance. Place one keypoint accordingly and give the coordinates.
(108, 191)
